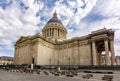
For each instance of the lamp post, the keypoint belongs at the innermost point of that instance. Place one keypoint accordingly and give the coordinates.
(58, 67)
(69, 62)
(50, 64)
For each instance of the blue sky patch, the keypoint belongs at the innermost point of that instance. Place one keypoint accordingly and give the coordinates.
(92, 18)
(8, 52)
(48, 3)
(22, 6)
(38, 13)
(74, 10)
(72, 26)
(63, 17)
(84, 4)
(3, 46)
(43, 19)
(4, 3)
(83, 7)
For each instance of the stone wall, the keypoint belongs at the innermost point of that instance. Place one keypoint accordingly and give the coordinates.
(74, 53)
(44, 52)
(22, 54)
(85, 55)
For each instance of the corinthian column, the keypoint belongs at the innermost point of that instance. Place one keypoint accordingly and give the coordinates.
(112, 52)
(94, 53)
(53, 32)
(50, 32)
(107, 52)
(56, 32)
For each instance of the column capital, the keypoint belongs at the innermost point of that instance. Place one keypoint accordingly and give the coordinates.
(16, 48)
(111, 38)
(106, 39)
(90, 41)
(93, 40)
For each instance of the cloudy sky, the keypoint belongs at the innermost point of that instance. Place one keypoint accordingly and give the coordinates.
(80, 17)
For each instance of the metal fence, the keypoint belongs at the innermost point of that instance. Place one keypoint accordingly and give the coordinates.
(63, 67)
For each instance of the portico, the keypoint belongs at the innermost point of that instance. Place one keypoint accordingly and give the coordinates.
(103, 43)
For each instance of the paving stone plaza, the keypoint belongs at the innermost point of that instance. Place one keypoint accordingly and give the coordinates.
(14, 75)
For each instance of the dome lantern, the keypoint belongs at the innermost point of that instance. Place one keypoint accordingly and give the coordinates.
(55, 15)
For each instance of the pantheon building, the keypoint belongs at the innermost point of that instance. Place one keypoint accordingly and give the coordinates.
(53, 48)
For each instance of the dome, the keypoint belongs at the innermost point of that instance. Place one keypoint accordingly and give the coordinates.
(53, 20)
(54, 29)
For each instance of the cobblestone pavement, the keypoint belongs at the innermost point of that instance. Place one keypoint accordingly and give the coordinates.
(14, 76)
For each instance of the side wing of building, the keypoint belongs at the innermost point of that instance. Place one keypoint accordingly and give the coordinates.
(34, 49)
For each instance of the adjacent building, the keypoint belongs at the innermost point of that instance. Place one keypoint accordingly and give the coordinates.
(6, 60)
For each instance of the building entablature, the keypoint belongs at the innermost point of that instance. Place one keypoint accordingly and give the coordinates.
(72, 44)
(74, 39)
(108, 32)
(31, 39)
(99, 37)
(54, 27)
(53, 24)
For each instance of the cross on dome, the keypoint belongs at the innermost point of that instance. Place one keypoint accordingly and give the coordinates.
(55, 14)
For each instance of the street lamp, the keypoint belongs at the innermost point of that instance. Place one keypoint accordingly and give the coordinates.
(58, 67)
(50, 64)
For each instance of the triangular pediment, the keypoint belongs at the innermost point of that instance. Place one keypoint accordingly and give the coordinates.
(22, 39)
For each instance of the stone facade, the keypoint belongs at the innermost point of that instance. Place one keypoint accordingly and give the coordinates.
(52, 47)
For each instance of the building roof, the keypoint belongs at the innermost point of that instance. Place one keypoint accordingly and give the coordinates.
(54, 20)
